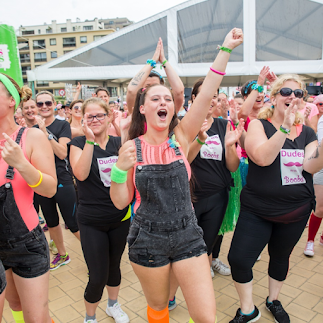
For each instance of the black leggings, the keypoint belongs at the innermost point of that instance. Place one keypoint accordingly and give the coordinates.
(251, 235)
(210, 213)
(66, 200)
(103, 248)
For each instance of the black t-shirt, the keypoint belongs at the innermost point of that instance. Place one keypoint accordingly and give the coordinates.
(209, 167)
(283, 186)
(95, 205)
(60, 129)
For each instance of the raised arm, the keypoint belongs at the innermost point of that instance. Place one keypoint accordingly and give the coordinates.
(251, 99)
(78, 91)
(174, 80)
(139, 79)
(193, 120)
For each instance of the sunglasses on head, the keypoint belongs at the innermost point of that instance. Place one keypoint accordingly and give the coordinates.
(286, 91)
(47, 103)
(77, 107)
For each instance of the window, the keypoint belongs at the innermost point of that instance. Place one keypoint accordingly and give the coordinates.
(97, 37)
(40, 57)
(63, 30)
(39, 44)
(24, 58)
(52, 41)
(69, 42)
(111, 22)
(83, 39)
(24, 69)
(87, 27)
(56, 92)
(42, 83)
(28, 32)
(49, 31)
(23, 45)
(67, 51)
(53, 54)
(39, 31)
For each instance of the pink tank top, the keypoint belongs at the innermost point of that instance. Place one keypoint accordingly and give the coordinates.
(24, 195)
(160, 154)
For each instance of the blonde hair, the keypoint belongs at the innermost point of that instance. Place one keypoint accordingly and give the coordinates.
(97, 101)
(45, 92)
(267, 112)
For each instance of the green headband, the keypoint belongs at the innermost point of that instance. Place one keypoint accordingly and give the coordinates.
(11, 89)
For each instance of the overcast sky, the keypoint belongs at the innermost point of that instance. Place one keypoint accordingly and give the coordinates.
(35, 12)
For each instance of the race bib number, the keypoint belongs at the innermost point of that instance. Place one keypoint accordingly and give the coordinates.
(291, 166)
(213, 148)
(105, 166)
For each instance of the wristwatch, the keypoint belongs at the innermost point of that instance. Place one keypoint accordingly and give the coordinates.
(50, 136)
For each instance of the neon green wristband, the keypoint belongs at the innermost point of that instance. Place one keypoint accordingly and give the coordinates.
(200, 142)
(117, 175)
(225, 49)
(284, 130)
(91, 143)
(163, 64)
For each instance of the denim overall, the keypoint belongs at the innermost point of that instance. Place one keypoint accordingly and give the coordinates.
(164, 228)
(26, 252)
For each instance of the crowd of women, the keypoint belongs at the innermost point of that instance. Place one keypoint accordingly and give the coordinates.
(168, 187)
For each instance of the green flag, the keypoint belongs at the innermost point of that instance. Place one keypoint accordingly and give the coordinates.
(9, 54)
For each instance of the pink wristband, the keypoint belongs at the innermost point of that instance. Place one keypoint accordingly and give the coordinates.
(217, 72)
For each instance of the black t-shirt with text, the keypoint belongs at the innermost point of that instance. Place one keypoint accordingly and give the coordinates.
(283, 186)
(95, 205)
(209, 167)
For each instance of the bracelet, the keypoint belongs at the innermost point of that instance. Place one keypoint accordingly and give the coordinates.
(117, 175)
(163, 64)
(257, 87)
(236, 124)
(225, 49)
(217, 72)
(151, 62)
(284, 130)
(40, 180)
(92, 143)
(199, 141)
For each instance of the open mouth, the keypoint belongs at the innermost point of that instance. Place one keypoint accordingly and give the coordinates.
(162, 114)
(287, 104)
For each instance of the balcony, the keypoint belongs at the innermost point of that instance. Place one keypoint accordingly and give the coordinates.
(69, 45)
(41, 59)
(24, 60)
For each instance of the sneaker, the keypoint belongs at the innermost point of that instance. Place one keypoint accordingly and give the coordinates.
(259, 257)
(41, 220)
(277, 311)
(240, 318)
(321, 240)
(220, 267)
(90, 321)
(212, 272)
(117, 313)
(59, 261)
(45, 228)
(172, 304)
(309, 249)
(52, 247)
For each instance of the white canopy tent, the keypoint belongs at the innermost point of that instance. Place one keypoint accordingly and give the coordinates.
(285, 35)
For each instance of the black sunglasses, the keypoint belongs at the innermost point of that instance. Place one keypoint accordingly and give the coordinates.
(47, 103)
(286, 91)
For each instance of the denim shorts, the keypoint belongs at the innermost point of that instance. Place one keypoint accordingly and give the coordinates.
(156, 244)
(3, 282)
(28, 255)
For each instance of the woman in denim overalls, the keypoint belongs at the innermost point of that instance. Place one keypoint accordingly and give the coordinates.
(164, 234)
(26, 166)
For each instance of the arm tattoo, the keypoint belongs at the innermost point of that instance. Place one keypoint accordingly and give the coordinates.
(137, 78)
(315, 154)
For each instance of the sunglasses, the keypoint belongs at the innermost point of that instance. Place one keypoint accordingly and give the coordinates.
(47, 103)
(286, 91)
(98, 117)
(77, 108)
(320, 104)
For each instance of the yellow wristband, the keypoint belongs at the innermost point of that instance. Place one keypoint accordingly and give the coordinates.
(40, 180)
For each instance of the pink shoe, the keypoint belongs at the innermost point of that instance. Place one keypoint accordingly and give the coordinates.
(309, 249)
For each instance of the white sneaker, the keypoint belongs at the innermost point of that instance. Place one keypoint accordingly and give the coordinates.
(212, 273)
(52, 247)
(259, 257)
(309, 249)
(117, 313)
(220, 267)
(90, 321)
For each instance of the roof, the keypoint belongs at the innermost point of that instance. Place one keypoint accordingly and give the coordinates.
(285, 35)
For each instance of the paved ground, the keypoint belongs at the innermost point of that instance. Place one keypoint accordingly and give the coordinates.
(302, 294)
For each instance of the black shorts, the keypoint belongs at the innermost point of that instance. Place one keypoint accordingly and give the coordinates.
(156, 244)
(3, 282)
(28, 255)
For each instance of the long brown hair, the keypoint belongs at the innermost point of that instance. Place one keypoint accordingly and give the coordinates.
(137, 126)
